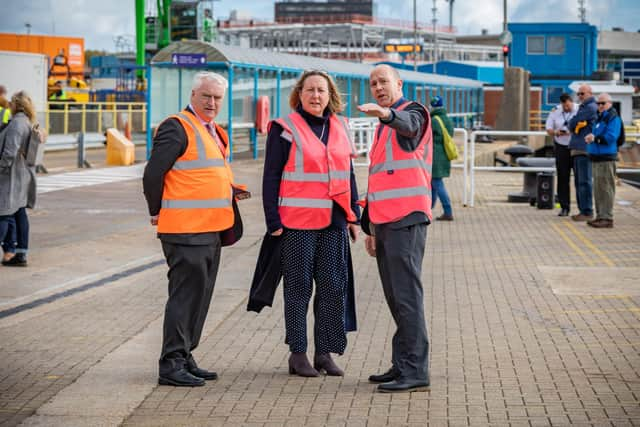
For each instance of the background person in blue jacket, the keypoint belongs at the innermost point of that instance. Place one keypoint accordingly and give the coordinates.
(602, 146)
(580, 126)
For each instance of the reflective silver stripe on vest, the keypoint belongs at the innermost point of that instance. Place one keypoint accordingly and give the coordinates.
(198, 164)
(299, 158)
(388, 147)
(299, 174)
(315, 177)
(345, 125)
(202, 152)
(296, 202)
(196, 204)
(400, 192)
(399, 164)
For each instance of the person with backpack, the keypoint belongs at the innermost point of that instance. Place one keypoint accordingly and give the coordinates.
(602, 148)
(17, 176)
(442, 127)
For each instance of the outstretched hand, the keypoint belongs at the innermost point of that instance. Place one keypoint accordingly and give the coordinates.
(374, 110)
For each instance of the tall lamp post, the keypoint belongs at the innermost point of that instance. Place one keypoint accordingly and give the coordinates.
(415, 37)
(504, 31)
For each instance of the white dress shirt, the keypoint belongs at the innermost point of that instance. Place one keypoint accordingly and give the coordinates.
(559, 119)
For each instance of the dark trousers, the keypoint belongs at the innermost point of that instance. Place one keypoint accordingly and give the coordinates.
(563, 170)
(319, 255)
(8, 233)
(399, 253)
(584, 183)
(192, 277)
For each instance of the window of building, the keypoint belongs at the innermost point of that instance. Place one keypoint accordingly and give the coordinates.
(535, 45)
(553, 94)
(555, 45)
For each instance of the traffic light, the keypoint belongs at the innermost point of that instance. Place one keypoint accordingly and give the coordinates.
(505, 50)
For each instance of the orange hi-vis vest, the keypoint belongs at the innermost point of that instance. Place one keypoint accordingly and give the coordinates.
(198, 189)
(315, 175)
(399, 181)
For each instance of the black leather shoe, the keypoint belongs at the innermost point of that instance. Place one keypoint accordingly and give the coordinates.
(388, 376)
(193, 369)
(564, 212)
(403, 386)
(204, 374)
(180, 378)
(18, 260)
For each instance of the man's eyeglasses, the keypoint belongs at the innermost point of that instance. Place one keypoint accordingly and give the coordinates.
(580, 93)
(601, 103)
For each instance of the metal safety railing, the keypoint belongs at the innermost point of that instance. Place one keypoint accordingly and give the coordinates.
(362, 134)
(469, 156)
(72, 117)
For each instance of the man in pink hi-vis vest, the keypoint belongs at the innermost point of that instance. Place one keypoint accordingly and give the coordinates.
(398, 208)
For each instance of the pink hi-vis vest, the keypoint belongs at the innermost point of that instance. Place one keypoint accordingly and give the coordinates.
(315, 175)
(399, 181)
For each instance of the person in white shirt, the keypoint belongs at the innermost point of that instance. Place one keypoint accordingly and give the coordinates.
(558, 126)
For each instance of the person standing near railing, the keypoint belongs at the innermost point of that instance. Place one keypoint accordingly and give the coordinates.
(17, 177)
(189, 188)
(310, 203)
(557, 126)
(580, 126)
(399, 211)
(602, 146)
(441, 163)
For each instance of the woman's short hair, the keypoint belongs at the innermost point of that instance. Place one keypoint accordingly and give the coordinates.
(21, 103)
(335, 100)
(201, 76)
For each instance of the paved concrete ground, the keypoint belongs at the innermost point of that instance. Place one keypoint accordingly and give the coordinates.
(533, 320)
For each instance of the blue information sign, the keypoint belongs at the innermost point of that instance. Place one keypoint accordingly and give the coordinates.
(189, 59)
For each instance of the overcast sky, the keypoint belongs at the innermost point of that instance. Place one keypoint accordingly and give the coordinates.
(100, 21)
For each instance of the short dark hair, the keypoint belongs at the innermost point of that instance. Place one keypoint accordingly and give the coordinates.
(565, 97)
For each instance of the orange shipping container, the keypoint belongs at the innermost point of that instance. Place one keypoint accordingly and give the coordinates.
(73, 48)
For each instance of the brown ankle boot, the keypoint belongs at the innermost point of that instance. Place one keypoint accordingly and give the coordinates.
(299, 365)
(324, 362)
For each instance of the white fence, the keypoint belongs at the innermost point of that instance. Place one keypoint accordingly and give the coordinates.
(469, 201)
(363, 132)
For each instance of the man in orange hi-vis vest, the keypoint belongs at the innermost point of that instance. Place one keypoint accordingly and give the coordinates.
(398, 208)
(188, 187)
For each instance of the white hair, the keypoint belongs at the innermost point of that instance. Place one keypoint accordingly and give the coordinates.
(604, 96)
(201, 76)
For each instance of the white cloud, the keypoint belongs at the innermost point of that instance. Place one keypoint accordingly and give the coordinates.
(99, 21)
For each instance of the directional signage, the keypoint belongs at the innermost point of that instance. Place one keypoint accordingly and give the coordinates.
(189, 59)
(402, 48)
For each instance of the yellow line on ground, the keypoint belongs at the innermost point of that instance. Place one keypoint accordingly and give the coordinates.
(590, 245)
(573, 246)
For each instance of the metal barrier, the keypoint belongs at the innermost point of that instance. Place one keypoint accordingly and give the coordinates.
(362, 134)
(470, 200)
(71, 117)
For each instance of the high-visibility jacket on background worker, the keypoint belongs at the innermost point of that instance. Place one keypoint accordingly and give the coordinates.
(5, 115)
(315, 175)
(399, 181)
(197, 192)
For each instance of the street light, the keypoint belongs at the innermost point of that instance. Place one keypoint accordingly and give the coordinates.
(28, 25)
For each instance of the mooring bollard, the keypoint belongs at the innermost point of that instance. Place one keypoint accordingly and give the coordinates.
(82, 160)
